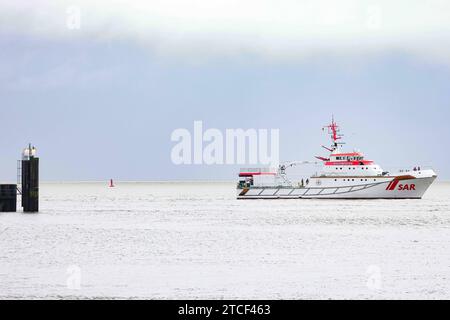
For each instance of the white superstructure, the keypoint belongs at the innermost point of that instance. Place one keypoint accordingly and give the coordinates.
(344, 176)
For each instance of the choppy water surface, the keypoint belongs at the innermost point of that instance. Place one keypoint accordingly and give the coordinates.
(194, 240)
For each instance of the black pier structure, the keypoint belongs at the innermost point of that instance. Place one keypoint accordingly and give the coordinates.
(29, 179)
(27, 185)
(8, 197)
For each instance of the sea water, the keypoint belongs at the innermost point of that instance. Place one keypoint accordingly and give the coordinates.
(192, 240)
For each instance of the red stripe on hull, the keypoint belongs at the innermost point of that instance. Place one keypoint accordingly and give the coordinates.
(389, 185)
(349, 163)
(393, 185)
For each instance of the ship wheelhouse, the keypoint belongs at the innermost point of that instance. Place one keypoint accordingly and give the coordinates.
(339, 163)
(350, 164)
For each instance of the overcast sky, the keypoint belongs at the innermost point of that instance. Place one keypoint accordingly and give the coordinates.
(100, 93)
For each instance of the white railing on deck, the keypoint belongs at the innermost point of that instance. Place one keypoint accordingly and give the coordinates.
(257, 170)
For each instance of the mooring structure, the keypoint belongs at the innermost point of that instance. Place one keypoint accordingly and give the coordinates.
(30, 180)
(27, 186)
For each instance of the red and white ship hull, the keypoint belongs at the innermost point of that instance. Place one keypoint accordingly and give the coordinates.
(399, 187)
(344, 176)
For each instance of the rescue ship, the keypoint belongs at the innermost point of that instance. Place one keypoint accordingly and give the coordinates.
(344, 175)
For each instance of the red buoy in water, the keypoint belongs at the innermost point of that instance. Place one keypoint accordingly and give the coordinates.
(111, 183)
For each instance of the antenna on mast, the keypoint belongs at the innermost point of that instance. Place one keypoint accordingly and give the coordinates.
(334, 132)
